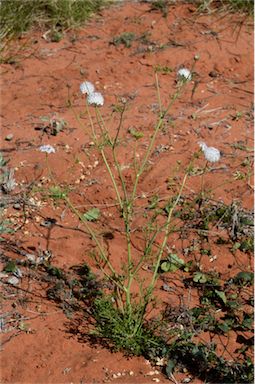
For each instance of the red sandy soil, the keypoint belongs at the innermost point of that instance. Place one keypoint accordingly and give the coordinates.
(42, 80)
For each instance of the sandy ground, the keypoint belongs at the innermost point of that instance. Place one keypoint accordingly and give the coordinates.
(43, 81)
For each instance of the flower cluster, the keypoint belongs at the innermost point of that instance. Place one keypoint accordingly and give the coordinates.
(184, 74)
(93, 98)
(211, 154)
(87, 87)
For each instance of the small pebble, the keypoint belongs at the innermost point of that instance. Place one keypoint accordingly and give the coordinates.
(30, 257)
(17, 206)
(151, 373)
(213, 74)
(186, 380)
(166, 288)
(13, 280)
(9, 137)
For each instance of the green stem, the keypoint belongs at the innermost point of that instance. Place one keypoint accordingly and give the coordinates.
(116, 162)
(102, 152)
(162, 248)
(158, 93)
(112, 178)
(152, 141)
(130, 274)
(49, 170)
(202, 181)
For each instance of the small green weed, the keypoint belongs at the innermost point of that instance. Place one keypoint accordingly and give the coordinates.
(203, 361)
(241, 146)
(160, 5)
(10, 266)
(125, 38)
(52, 125)
(58, 193)
(225, 305)
(237, 116)
(164, 69)
(5, 227)
(3, 161)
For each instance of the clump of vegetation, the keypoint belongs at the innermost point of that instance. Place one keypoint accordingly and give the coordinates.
(125, 38)
(160, 5)
(245, 6)
(18, 16)
(123, 332)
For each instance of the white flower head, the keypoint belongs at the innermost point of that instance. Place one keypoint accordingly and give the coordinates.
(95, 98)
(184, 73)
(47, 148)
(87, 87)
(211, 154)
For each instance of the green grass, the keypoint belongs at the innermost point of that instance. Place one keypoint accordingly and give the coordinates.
(239, 5)
(18, 16)
(244, 6)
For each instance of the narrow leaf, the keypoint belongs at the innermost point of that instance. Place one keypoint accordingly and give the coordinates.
(221, 295)
(92, 215)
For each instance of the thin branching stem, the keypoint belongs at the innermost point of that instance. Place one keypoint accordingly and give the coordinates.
(92, 234)
(152, 141)
(163, 245)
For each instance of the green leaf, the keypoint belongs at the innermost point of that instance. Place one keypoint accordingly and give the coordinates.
(199, 277)
(44, 118)
(10, 267)
(170, 367)
(224, 327)
(236, 246)
(92, 215)
(221, 295)
(188, 265)
(172, 264)
(247, 322)
(56, 192)
(246, 277)
(174, 259)
(136, 134)
(153, 202)
(165, 266)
